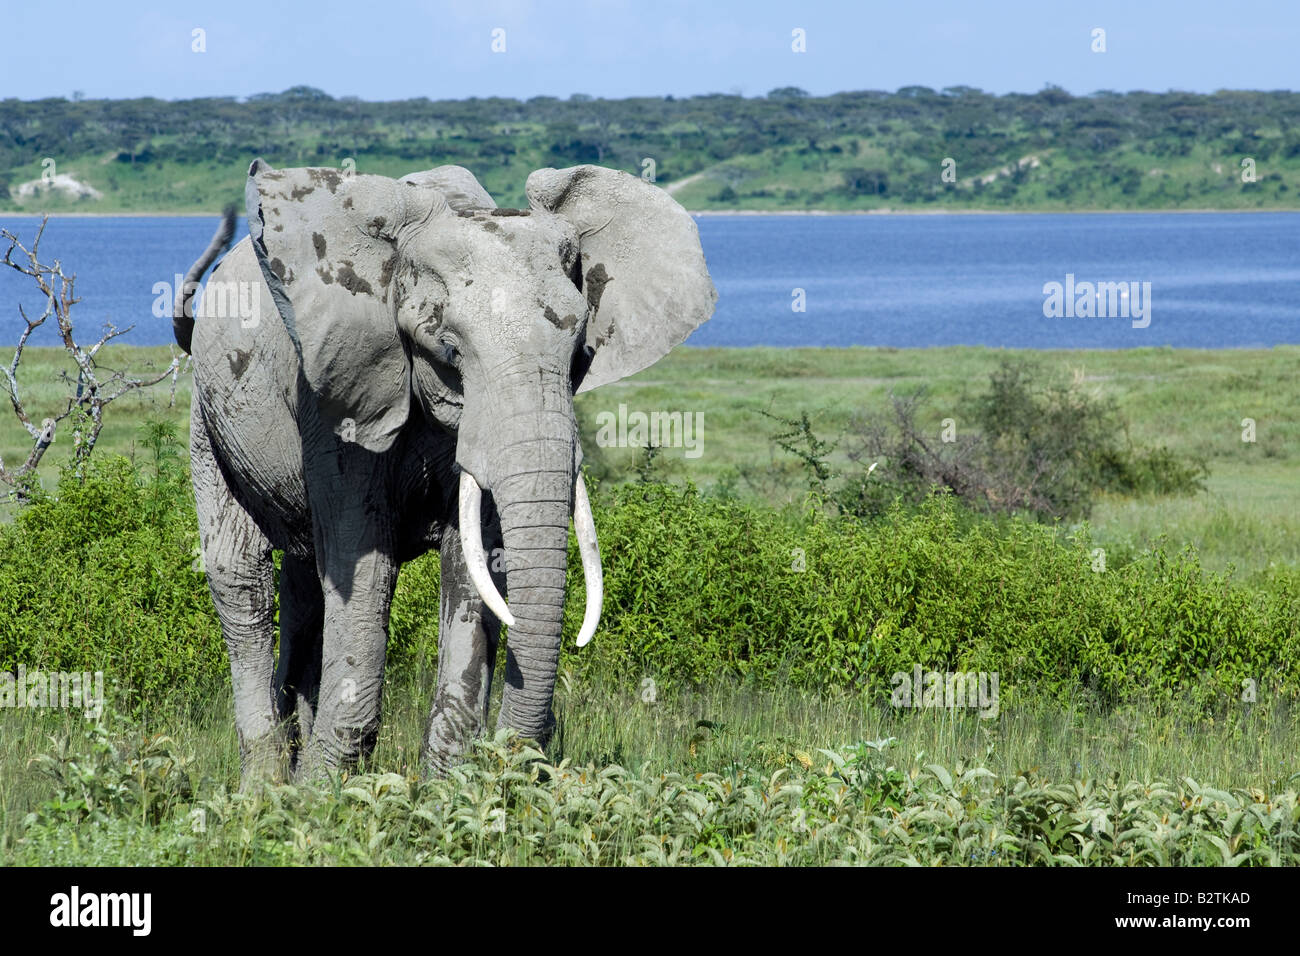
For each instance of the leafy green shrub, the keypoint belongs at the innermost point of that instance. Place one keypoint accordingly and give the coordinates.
(108, 773)
(507, 806)
(1057, 428)
(696, 589)
(104, 578)
(1149, 471)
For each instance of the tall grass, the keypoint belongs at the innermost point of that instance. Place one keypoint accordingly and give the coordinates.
(715, 775)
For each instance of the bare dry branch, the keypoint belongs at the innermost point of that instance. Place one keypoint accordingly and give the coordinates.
(92, 390)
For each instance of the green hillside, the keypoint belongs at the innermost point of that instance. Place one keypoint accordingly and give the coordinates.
(914, 149)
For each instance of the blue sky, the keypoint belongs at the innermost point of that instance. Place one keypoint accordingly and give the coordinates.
(619, 48)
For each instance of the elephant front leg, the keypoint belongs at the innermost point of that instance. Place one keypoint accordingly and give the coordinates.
(352, 527)
(356, 603)
(468, 635)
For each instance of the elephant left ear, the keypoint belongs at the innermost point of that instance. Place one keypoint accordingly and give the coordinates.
(643, 268)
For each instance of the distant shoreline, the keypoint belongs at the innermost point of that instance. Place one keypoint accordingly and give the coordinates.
(731, 212)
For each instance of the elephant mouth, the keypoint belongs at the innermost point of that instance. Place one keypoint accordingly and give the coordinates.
(584, 526)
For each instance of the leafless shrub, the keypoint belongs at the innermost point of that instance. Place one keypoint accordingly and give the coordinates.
(910, 460)
(93, 387)
(1033, 443)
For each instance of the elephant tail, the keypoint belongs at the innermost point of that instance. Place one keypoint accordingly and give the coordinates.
(183, 310)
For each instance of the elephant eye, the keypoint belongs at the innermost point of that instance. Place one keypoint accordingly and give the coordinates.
(446, 354)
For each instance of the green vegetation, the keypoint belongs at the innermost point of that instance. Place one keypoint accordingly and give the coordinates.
(1045, 448)
(107, 574)
(1190, 402)
(736, 705)
(784, 151)
(684, 792)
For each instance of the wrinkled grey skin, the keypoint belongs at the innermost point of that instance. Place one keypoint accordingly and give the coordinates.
(408, 330)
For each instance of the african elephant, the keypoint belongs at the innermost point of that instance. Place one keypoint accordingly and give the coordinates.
(399, 376)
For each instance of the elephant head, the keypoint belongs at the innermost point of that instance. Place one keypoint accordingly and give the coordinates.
(420, 297)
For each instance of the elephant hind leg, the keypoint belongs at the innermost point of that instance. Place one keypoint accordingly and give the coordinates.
(302, 620)
(237, 559)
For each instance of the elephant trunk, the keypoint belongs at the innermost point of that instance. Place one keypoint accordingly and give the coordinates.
(534, 508)
(532, 481)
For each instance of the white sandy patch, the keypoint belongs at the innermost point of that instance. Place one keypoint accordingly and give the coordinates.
(61, 183)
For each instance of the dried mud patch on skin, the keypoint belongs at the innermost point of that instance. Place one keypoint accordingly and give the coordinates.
(351, 281)
(329, 178)
(238, 360)
(566, 323)
(596, 280)
(386, 271)
(431, 316)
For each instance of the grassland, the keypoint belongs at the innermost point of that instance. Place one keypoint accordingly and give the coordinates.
(714, 776)
(1191, 401)
(729, 771)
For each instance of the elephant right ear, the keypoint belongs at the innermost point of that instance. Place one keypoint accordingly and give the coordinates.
(325, 243)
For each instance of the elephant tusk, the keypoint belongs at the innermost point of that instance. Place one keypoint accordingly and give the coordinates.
(471, 543)
(584, 526)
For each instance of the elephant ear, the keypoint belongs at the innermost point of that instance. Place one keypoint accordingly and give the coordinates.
(457, 185)
(325, 244)
(643, 269)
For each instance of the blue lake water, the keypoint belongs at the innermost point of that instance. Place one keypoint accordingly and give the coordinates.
(1217, 280)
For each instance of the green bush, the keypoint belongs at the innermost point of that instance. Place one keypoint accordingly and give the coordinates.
(696, 589)
(858, 804)
(103, 578)
(1040, 445)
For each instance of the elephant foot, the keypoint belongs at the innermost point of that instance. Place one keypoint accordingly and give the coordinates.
(438, 760)
(452, 729)
(328, 754)
(541, 736)
(436, 764)
(264, 759)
